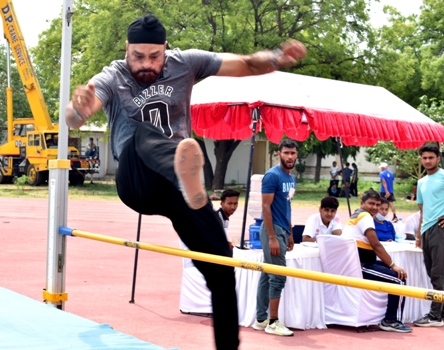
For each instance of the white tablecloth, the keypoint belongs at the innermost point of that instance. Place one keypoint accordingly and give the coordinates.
(302, 301)
(411, 260)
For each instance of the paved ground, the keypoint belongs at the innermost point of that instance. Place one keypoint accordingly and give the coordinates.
(99, 277)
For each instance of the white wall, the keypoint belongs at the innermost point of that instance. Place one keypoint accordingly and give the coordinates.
(237, 166)
(367, 170)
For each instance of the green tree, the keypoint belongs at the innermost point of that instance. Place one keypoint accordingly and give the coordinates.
(396, 64)
(406, 161)
(432, 39)
(322, 149)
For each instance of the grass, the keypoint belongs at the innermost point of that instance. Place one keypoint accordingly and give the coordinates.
(308, 194)
(98, 190)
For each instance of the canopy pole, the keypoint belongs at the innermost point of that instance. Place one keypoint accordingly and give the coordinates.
(256, 116)
(338, 141)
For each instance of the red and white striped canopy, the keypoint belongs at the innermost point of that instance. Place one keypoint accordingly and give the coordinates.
(295, 105)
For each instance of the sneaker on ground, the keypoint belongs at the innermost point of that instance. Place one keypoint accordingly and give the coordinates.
(395, 326)
(395, 219)
(188, 165)
(278, 328)
(260, 326)
(427, 321)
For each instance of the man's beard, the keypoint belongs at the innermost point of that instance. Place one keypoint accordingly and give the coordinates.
(143, 76)
(284, 164)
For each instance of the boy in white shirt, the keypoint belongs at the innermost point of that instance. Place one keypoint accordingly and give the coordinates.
(326, 222)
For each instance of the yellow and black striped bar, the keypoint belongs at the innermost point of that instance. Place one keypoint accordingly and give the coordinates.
(408, 291)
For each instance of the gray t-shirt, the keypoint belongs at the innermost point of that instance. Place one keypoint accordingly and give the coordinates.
(165, 103)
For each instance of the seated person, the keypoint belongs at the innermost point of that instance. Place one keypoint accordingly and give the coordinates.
(345, 192)
(91, 149)
(333, 191)
(384, 228)
(361, 227)
(412, 196)
(326, 222)
(229, 200)
(412, 226)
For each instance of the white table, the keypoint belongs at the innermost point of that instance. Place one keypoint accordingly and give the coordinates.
(302, 301)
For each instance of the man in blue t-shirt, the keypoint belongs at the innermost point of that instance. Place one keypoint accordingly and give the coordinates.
(387, 190)
(431, 238)
(278, 186)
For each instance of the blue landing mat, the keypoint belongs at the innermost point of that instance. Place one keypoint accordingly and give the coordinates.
(26, 324)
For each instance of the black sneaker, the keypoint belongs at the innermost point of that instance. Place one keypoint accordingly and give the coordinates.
(428, 321)
(395, 326)
(395, 219)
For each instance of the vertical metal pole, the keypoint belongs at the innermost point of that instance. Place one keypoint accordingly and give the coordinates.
(58, 177)
(136, 258)
(338, 141)
(256, 116)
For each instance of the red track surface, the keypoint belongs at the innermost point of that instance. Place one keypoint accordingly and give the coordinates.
(99, 278)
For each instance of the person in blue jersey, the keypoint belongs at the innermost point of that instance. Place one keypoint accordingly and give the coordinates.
(430, 196)
(387, 190)
(384, 228)
(278, 187)
(361, 227)
(146, 98)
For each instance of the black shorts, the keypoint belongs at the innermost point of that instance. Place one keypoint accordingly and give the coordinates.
(390, 199)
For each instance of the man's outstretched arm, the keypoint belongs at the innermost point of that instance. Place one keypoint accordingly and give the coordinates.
(262, 62)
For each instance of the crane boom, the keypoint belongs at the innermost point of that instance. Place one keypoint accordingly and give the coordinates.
(14, 36)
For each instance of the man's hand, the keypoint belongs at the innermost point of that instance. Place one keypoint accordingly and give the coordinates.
(83, 100)
(400, 271)
(274, 246)
(290, 243)
(387, 194)
(441, 221)
(418, 243)
(292, 51)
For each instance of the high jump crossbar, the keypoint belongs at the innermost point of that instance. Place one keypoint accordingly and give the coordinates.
(408, 291)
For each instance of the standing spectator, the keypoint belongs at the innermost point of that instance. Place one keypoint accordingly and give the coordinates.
(384, 229)
(431, 237)
(91, 149)
(354, 181)
(346, 175)
(334, 178)
(278, 186)
(361, 227)
(387, 189)
(326, 222)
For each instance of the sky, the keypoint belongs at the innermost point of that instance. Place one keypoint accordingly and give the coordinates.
(34, 16)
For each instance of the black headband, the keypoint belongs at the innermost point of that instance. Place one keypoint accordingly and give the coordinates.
(146, 30)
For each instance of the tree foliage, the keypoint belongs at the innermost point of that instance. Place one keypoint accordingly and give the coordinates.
(404, 56)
